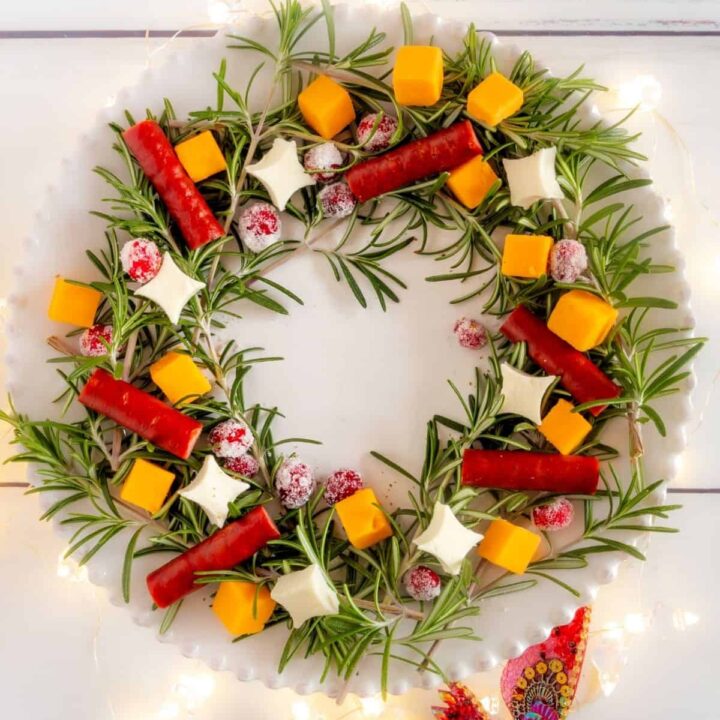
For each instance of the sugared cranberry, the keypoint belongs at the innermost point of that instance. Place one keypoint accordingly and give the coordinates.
(294, 483)
(556, 515)
(342, 484)
(259, 226)
(336, 200)
(322, 161)
(470, 333)
(374, 134)
(568, 261)
(91, 340)
(422, 583)
(245, 465)
(141, 259)
(231, 439)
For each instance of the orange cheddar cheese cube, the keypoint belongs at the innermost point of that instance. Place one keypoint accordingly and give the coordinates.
(564, 428)
(582, 319)
(147, 486)
(418, 75)
(201, 156)
(471, 182)
(509, 546)
(179, 378)
(526, 256)
(326, 106)
(494, 100)
(364, 521)
(243, 607)
(73, 304)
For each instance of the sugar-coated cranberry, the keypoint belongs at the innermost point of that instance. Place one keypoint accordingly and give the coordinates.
(91, 340)
(568, 261)
(245, 465)
(259, 226)
(470, 333)
(141, 259)
(294, 483)
(422, 583)
(342, 484)
(336, 200)
(322, 161)
(555, 515)
(231, 439)
(374, 134)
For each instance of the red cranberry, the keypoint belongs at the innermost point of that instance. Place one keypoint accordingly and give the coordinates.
(259, 226)
(374, 134)
(231, 439)
(336, 200)
(470, 333)
(568, 260)
(422, 583)
(342, 484)
(245, 465)
(555, 515)
(322, 161)
(91, 340)
(294, 483)
(141, 259)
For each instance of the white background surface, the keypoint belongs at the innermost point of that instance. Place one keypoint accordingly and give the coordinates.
(65, 652)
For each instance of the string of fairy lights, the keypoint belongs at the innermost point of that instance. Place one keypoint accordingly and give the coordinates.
(616, 621)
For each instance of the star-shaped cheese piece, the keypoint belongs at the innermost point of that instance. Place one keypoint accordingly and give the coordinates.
(305, 594)
(523, 394)
(533, 178)
(212, 489)
(447, 539)
(281, 172)
(171, 288)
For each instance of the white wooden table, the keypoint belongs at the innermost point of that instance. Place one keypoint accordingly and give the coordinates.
(65, 652)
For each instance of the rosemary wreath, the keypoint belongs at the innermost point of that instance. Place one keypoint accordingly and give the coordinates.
(86, 461)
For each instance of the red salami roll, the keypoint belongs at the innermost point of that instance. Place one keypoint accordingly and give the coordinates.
(141, 413)
(228, 547)
(186, 205)
(578, 374)
(418, 159)
(520, 470)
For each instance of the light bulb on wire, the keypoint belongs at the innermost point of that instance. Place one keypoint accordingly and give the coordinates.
(642, 91)
(372, 707)
(300, 711)
(68, 568)
(195, 689)
(169, 711)
(683, 619)
(219, 12)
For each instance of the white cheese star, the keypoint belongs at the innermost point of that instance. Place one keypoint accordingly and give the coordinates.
(533, 178)
(281, 172)
(212, 489)
(171, 288)
(523, 394)
(305, 594)
(447, 539)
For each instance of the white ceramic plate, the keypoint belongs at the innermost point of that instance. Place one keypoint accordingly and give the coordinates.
(356, 379)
